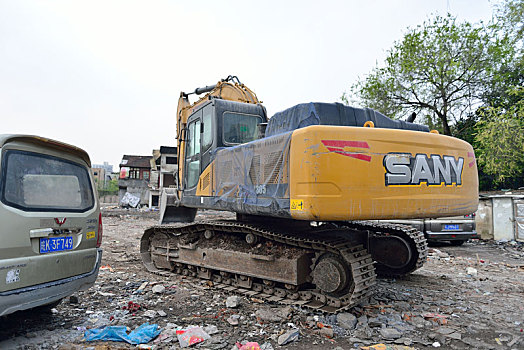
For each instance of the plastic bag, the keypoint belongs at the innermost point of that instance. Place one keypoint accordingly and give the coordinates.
(142, 335)
(248, 346)
(191, 336)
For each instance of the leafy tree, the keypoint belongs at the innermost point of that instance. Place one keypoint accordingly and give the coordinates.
(440, 69)
(112, 185)
(509, 24)
(499, 135)
(510, 19)
(500, 140)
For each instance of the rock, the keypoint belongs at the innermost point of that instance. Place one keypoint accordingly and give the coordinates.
(161, 313)
(211, 329)
(150, 313)
(159, 289)
(233, 320)
(73, 299)
(364, 332)
(439, 253)
(362, 321)
(266, 346)
(273, 314)
(456, 336)
(288, 337)
(326, 331)
(404, 341)
(233, 301)
(346, 320)
(471, 271)
(436, 344)
(390, 333)
(418, 321)
(403, 306)
(375, 322)
(450, 333)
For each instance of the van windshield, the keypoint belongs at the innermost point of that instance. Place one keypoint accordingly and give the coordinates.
(38, 182)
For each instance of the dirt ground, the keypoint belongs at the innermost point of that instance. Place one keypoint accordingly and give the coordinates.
(468, 297)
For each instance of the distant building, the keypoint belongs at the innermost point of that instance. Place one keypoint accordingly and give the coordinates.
(99, 174)
(135, 173)
(102, 174)
(163, 170)
(108, 167)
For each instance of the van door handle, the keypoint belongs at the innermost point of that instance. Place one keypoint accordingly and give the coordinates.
(40, 232)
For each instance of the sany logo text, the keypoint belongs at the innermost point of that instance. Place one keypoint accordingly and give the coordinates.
(405, 169)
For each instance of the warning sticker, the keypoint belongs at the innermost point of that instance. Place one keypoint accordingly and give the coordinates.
(90, 234)
(297, 204)
(12, 276)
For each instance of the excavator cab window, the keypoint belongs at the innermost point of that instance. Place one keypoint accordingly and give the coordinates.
(193, 153)
(207, 127)
(240, 128)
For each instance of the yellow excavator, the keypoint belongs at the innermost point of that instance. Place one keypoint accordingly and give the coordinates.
(301, 184)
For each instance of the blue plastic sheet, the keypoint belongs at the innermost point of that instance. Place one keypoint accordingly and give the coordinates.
(319, 113)
(142, 335)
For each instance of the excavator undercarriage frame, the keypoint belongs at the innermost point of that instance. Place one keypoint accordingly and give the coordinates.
(327, 267)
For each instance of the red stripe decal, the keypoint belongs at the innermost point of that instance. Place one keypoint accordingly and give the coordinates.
(342, 144)
(337, 146)
(471, 164)
(471, 154)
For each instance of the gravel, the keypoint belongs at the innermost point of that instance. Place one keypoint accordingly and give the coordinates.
(464, 297)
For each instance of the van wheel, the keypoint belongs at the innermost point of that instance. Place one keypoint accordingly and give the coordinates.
(457, 243)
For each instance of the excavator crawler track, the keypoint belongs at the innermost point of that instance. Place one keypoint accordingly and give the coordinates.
(322, 268)
(412, 237)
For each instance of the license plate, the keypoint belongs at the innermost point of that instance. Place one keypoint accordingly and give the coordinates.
(55, 244)
(451, 227)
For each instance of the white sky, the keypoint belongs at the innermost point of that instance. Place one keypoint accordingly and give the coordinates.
(106, 75)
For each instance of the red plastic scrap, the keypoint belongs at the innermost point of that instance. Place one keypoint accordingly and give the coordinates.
(440, 319)
(132, 307)
(248, 346)
(191, 336)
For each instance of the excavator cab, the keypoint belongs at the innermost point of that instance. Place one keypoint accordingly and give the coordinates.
(211, 126)
(215, 125)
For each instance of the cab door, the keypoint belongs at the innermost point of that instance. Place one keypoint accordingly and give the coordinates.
(200, 142)
(192, 160)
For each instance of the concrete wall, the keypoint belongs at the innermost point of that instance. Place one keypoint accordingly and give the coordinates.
(503, 219)
(519, 218)
(109, 199)
(136, 187)
(484, 219)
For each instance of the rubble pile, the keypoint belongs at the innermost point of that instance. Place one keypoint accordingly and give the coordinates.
(464, 297)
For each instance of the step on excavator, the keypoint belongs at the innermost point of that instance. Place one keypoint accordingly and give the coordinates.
(307, 186)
